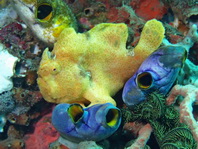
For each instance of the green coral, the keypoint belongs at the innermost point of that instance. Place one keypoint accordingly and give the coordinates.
(178, 137)
(164, 119)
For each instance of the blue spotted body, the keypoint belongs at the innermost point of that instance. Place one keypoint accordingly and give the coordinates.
(157, 73)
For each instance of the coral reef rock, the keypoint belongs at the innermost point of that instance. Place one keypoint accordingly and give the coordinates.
(7, 64)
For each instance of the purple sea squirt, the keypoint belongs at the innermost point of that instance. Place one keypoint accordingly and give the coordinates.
(156, 74)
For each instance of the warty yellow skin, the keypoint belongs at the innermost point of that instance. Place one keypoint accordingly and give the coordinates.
(89, 68)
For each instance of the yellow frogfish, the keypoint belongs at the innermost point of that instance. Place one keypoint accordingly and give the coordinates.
(89, 68)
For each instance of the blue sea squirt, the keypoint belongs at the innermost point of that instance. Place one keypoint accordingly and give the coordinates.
(77, 124)
(156, 74)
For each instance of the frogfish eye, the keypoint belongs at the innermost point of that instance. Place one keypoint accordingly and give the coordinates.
(44, 12)
(55, 68)
(144, 80)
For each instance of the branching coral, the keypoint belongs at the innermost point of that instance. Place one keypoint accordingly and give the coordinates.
(143, 136)
(190, 94)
